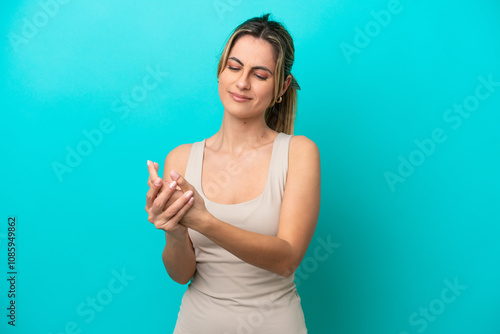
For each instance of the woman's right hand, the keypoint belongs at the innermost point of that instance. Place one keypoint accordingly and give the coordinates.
(165, 204)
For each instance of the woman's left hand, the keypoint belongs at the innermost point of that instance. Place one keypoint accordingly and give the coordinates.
(198, 212)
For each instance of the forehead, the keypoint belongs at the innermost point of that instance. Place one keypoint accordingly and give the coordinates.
(253, 51)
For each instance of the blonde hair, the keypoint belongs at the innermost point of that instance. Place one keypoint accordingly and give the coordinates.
(279, 116)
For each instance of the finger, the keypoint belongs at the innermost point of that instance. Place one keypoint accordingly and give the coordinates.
(152, 194)
(181, 212)
(181, 181)
(153, 174)
(172, 210)
(158, 204)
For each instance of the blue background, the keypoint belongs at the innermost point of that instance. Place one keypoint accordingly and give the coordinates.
(398, 246)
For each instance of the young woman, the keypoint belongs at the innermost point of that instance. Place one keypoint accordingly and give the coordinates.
(242, 206)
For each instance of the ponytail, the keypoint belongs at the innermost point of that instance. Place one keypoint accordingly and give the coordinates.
(281, 116)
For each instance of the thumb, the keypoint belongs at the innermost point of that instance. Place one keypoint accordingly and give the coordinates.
(181, 181)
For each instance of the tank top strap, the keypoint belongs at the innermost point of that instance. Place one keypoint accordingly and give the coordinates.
(193, 167)
(279, 163)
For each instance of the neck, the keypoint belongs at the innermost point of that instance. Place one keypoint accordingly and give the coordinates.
(239, 135)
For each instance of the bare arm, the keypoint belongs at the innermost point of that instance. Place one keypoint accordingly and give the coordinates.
(162, 204)
(280, 254)
(178, 255)
(178, 258)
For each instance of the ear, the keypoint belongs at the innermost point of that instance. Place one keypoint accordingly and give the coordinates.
(286, 84)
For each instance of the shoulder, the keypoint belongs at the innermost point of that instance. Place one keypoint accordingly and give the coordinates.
(177, 160)
(179, 152)
(303, 159)
(301, 146)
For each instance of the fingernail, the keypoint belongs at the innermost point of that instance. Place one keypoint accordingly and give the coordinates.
(158, 182)
(189, 193)
(149, 163)
(174, 174)
(172, 185)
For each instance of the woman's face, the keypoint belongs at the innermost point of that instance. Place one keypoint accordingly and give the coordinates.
(246, 84)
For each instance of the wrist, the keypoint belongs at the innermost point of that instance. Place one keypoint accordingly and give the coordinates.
(205, 224)
(178, 237)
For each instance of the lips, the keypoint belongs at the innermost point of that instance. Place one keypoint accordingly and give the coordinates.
(239, 97)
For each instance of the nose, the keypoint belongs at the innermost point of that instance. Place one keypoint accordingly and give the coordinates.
(243, 82)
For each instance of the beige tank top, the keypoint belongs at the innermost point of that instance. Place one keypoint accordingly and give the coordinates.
(219, 273)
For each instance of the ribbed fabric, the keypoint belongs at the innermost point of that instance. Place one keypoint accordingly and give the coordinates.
(226, 294)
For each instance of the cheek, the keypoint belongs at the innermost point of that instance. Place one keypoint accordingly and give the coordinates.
(265, 93)
(223, 81)
(222, 88)
(221, 91)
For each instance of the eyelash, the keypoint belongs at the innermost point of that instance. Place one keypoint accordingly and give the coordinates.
(236, 69)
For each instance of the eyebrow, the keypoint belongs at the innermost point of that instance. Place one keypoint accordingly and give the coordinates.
(254, 68)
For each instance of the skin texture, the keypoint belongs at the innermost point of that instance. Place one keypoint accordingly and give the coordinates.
(243, 133)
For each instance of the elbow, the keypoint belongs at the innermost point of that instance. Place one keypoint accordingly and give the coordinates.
(286, 274)
(181, 279)
(289, 270)
(289, 264)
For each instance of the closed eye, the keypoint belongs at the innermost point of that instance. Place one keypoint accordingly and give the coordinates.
(237, 69)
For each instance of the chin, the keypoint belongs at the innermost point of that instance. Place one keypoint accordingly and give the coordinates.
(239, 111)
